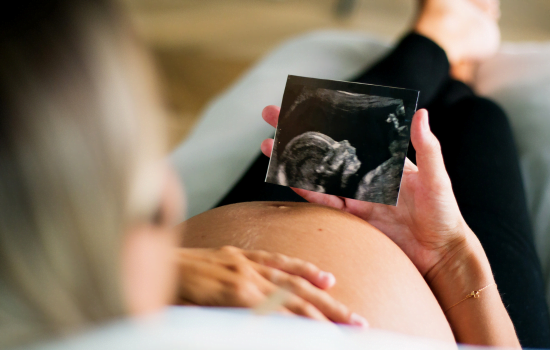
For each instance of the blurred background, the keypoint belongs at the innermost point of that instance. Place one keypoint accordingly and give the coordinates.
(203, 46)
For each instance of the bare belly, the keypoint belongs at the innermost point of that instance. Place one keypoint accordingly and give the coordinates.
(374, 277)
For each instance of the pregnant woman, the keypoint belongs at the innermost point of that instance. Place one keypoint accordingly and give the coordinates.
(455, 259)
(87, 214)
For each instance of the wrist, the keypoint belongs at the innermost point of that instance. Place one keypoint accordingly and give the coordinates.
(463, 269)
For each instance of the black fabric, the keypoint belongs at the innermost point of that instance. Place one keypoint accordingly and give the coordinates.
(251, 187)
(481, 159)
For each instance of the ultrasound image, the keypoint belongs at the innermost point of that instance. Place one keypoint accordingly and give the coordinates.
(315, 162)
(341, 138)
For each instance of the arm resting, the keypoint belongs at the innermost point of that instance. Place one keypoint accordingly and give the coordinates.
(481, 320)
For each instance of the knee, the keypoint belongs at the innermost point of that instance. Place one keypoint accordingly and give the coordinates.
(482, 113)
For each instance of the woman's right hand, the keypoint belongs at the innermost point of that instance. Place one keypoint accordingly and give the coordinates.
(230, 276)
(428, 226)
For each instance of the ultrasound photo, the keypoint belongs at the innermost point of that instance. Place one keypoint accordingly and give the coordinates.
(341, 138)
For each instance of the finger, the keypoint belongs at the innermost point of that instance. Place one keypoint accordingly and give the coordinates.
(429, 159)
(267, 147)
(293, 266)
(299, 306)
(184, 302)
(320, 198)
(410, 166)
(280, 299)
(271, 115)
(321, 300)
(285, 311)
(209, 282)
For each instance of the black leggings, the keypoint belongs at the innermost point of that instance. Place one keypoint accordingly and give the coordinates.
(482, 162)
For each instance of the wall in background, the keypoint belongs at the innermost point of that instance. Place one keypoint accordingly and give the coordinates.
(202, 46)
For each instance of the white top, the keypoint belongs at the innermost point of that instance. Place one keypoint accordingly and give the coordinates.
(239, 329)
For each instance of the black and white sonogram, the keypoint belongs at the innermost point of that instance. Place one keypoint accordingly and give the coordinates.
(340, 138)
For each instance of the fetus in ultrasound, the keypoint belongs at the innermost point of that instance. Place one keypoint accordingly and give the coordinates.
(381, 185)
(315, 162)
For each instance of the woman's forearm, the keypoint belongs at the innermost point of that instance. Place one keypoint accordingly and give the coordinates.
(481, 320)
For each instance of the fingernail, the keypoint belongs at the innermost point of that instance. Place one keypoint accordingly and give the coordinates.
(358, 320)
(327, 278)
(425, 123)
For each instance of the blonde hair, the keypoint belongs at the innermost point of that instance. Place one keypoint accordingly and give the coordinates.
(77, 146)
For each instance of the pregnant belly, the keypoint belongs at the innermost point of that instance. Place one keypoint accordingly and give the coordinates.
(374, 277)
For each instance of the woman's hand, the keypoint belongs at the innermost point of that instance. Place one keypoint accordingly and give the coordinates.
(230, 276)
(426, 223)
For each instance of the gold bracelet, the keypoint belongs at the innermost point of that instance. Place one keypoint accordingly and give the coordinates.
(474, 294)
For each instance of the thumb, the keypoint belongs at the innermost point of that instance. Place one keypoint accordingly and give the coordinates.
(428, 150)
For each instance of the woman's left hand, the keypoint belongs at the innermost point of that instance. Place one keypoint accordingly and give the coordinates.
(426, 223)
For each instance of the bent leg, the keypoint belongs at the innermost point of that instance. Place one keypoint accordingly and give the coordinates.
(252, 187)
(416, 63)
(374, 277)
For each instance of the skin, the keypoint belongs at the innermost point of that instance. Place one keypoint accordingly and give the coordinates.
(375, 278)
(157, 272)
(466, 29)
(149, 270)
